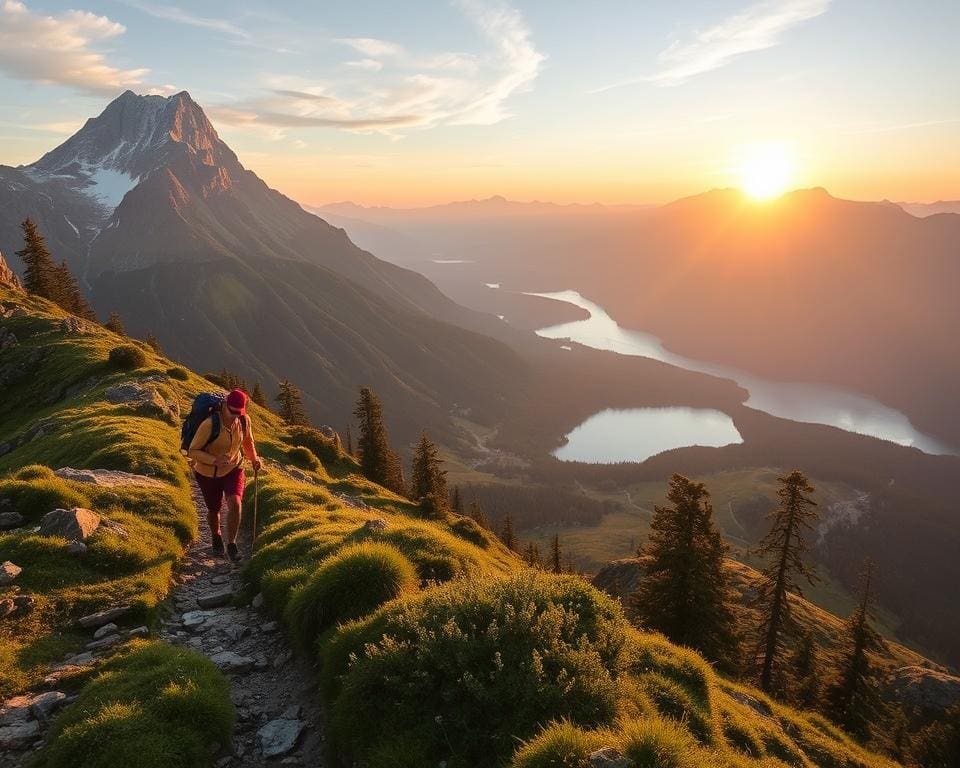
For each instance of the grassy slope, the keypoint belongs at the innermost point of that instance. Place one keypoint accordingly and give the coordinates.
(469, 598)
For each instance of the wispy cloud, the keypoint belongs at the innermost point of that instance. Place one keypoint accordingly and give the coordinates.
(758, 27)
(60, 49)
(180, 16)
(393, 87)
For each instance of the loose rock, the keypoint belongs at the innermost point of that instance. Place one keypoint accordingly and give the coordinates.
(376, 525)
(8, 572)
(44, 704)
(75, 524)
(280, 736)
(106, 629)
(104, 617)
(215, 599)
(76, 548)
(232, 662)
(10, 519)
(608, 757)
(19, 735)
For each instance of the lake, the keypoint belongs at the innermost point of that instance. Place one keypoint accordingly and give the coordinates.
(806, 402)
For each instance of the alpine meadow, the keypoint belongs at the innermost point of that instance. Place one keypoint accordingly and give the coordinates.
(479, 384)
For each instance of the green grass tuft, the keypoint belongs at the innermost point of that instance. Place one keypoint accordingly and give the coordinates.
(303, 457)
(152, 706)
(355, 581)
(127, 357)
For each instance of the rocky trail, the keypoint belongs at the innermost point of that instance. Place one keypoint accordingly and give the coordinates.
(274, 691)
(278, 720)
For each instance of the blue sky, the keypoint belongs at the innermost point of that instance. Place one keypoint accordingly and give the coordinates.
(420, 102)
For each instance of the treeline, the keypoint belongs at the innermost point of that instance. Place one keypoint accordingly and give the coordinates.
(688, 595)
(539, 506)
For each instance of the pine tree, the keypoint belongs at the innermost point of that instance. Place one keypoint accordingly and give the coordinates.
(685, 593)
(456, 502)
(427, 477)
(67, 293)
(377, 461)
(290, 405)
(257, 395)
(531, 554)
(478, 515)
(349, 440)
(154, 343)
(852, 696)
(805, 673)
(507, 534)
(115, 324)
(556, 562)
(785, 544)
(39, 269)
(937, 745)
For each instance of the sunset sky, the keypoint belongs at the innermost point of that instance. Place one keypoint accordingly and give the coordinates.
(421, 102)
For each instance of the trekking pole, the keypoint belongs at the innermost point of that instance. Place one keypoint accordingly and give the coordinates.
(256, 491)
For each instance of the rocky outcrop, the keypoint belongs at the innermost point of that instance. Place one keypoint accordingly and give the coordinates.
(927, 690)
(620, 578)
(145, 400)
(108, 478)
(76, 524)
(8, 277)
(8, 572)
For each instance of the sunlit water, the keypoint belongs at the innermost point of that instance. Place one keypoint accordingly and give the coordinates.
(812, 403)
(636, 434)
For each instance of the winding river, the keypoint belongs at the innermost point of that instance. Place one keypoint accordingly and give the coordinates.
(812, 403)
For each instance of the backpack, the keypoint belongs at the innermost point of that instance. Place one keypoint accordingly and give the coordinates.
(206, 404)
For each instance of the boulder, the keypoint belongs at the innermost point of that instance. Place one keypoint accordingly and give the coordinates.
(10, 519)
(376, 525)
(215, 599)
(101, 645)
(76, 524)
(19, 735)
(228, 661)
(145, 400)
(7, 607)
(103, 617)
(8, 572)
(16, 709)
(44, 704)
(280, 736)
(76, 548)
(106, 629)
(109, 478)
(139, 632)
(608, 757)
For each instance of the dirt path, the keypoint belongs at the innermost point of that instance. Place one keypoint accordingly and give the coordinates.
(278, 714)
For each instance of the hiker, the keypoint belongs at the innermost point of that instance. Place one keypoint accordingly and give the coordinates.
(218, 467)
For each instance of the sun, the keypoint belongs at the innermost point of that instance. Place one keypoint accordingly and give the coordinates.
(766, 170)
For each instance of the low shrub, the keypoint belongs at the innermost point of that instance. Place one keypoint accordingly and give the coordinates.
(510, 654)
(127, 357)
(656, 743)
(179, 373)
(350, 584)
(325, 448)
(153, 706)
(303, 457)
(560, 745)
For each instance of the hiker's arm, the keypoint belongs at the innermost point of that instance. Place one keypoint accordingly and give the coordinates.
(249, 449)
(200, 439)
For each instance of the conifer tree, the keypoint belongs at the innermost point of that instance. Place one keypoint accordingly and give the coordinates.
(427, 477)
(39, 270)
(685, 593)
(531, 554)
(937, 745)
(852, 696)
(507, 534)
(785, 545)
(115, 324)
(290, 405)
(456, 501)
(154, 343)
(478, 515)
(257, 395)
(349, 440)
(805, 673)
(377, 461)
(556, 563)
(67, 293)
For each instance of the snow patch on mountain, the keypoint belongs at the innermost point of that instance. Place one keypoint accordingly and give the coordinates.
(109, 185)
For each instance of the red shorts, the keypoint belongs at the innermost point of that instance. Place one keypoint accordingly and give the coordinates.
(215, 488)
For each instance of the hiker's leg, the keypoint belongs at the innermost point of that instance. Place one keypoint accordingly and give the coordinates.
(233, 490)
(213, 498)
(233, 518)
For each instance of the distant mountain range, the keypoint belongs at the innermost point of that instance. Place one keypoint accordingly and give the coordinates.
(163, 224)
(805, 288)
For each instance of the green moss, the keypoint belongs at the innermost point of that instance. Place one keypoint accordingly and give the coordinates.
(348, 585)
(179, 373)
(151, 706)
(303, 457)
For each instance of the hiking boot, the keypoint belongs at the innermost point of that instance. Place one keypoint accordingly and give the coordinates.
(233, 553)
(216, 548)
